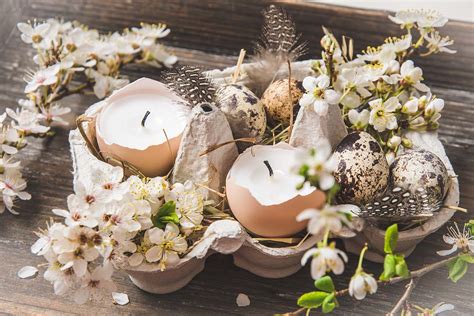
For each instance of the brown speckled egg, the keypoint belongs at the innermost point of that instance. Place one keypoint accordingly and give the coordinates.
(276, 100)
(420, 169)
(243, 109)
(362, 170)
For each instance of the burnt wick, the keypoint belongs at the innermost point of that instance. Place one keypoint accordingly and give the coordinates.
(270, 170)
(145, 117)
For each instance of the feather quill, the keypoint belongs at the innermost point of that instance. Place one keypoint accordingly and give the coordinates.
(190, 83)
(279, 43)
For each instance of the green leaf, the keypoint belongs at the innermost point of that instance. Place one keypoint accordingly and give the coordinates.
(467, 258)
(401, 268)
(457, 269)
(325, 284)
(470, 225)
(329, 304)
(312, 299)
(166, 214)
(391, 238)
(388, 267)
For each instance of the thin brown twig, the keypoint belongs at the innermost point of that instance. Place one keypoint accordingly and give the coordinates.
(416, 274)
(409, 289)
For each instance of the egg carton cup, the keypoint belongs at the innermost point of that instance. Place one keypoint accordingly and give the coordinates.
(222, 236)
(333, 131)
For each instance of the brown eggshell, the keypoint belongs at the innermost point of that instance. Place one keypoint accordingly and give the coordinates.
(272, 220)
(277, 103)
(155, 160)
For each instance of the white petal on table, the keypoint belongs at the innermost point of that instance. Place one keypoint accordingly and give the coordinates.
(120, 298)
(27, 272)
(242, 300)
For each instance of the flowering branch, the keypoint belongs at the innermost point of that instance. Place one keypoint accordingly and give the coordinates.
(67, 52)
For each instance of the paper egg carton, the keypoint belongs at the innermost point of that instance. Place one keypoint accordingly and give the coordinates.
(228, 236)
(222, 236)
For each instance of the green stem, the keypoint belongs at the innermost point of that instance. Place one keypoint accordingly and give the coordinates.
(361, 258)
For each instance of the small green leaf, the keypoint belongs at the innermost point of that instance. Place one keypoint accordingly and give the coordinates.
(457, 269)
(401, 268)
(470, 225)
(329, 304)
(325, 284)
(312, 299)
(391, 238)
(166, 214)
(388, 267)
(467, 258)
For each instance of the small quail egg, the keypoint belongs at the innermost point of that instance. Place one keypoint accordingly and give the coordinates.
(362, 170)
(277, 103)
(420, 169)
(244, 111)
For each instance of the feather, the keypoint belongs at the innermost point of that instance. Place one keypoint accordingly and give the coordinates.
(190, 83)
(399, 204)
(278, 45)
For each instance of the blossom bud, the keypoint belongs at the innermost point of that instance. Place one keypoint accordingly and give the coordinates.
(394, 141)
(407, 143)
(390, 156)
(326, 42)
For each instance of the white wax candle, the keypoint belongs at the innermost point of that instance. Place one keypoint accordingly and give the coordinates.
(250, 172)
(142, 124)
(121, 120)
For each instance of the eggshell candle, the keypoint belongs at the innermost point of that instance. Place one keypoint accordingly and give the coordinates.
(142, 124)
(261, 189)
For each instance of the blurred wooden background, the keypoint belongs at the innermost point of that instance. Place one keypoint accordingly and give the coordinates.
(210, 33)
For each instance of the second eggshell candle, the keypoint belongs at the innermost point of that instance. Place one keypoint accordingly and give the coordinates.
(261, 189)
(142, 124)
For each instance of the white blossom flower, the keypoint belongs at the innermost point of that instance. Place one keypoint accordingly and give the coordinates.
(382, 114)
(361, 284)
(7, 165)
(411, 75)
(63, 280)
(321, 164)
(359, 119)
(168, 244)
(33, 34)
(436, 43)
(160, 54)
(53, 114)
(329, 217)
(87, 197)
(152, 190)
(430, 19)
(43, 77)
(109, 182)
(97, 284)
(75, 216)
(152, 30)
(399, 44)
(318, 95)
(104, 85)
(123, 215)
(189, 204)
(406, 18)
(78, 259)
(460, 240)
(26, 121)
(353, 84)
(12, 185)
(7, 136)
(325, 259)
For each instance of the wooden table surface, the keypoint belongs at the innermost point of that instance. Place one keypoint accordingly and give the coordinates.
(210, 33)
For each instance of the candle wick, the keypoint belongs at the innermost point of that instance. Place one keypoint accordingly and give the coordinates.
(145, 117)
(270, 170)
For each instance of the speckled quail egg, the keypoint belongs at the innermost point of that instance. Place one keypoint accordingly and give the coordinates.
(244, 111)
(420, 169)
(362, 169)
(276, 100)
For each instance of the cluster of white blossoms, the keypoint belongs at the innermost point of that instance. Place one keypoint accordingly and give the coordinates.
(64, 51)
(112, 224)
(381, 90)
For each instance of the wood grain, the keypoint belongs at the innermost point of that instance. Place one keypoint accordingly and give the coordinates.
(210, 33)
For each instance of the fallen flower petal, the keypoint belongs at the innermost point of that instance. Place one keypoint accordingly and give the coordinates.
(242, 300)
(120, 298)
(27, 272)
